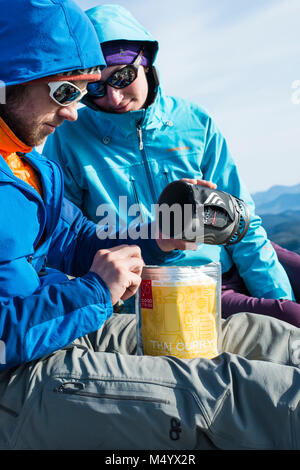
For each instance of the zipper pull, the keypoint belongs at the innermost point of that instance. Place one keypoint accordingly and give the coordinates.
(140, 136)
(69, 387)
(166, 174)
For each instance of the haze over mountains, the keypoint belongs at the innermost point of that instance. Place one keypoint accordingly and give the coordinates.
(279, 208)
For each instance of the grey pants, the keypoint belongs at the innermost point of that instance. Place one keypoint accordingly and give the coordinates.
(97, 394)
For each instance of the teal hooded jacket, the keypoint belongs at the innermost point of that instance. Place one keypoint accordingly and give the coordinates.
(42, 239)
(136, 154)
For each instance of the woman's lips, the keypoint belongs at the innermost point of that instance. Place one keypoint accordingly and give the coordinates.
(123, 108)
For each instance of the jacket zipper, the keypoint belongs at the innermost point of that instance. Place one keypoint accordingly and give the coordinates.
(140, 136)
(137, 198)
(67, 391)
(20, 184)
(146, 164)
(56, 169)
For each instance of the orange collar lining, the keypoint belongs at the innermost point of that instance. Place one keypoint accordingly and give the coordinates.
(9, 142)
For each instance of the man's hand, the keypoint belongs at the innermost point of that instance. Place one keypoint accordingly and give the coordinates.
(120, 268)
(176, 244)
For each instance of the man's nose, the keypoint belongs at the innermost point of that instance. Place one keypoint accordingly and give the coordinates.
(68, 112)
(114, 95)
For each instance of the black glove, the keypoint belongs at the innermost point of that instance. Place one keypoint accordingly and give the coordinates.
(203, 215)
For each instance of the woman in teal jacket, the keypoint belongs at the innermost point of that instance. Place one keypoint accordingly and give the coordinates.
(133, 141)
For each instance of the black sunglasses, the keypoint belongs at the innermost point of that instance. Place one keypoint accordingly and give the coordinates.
(119, 79)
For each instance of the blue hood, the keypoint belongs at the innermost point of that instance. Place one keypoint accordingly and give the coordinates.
(39, 38)
(115, 23)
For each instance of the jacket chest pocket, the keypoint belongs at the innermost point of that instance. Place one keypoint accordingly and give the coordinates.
(161, 175)
(138, 207)
(178, 166)
(134, 190)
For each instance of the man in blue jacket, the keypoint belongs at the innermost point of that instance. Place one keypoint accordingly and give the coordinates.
(69, 376)
(132, 140)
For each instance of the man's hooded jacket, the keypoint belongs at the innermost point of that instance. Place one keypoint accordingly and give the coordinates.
(44, 238)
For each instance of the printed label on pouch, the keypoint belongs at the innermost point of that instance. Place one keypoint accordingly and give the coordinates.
(194, 346)
(146, 294)
(182, 321)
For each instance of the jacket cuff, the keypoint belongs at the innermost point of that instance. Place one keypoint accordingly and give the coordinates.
(102, 289)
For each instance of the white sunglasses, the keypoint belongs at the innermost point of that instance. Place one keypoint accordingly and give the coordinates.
(65, 93)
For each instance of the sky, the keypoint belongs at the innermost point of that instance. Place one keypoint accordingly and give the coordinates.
(240, 60)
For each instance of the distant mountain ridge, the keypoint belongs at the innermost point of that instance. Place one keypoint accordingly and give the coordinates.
(284, 229)
(277, 199)
(279, 208)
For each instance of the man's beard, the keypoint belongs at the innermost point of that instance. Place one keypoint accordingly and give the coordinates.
(12, 115)
(23, 130)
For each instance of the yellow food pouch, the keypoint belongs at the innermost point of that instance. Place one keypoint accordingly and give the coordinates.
(178, 311)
